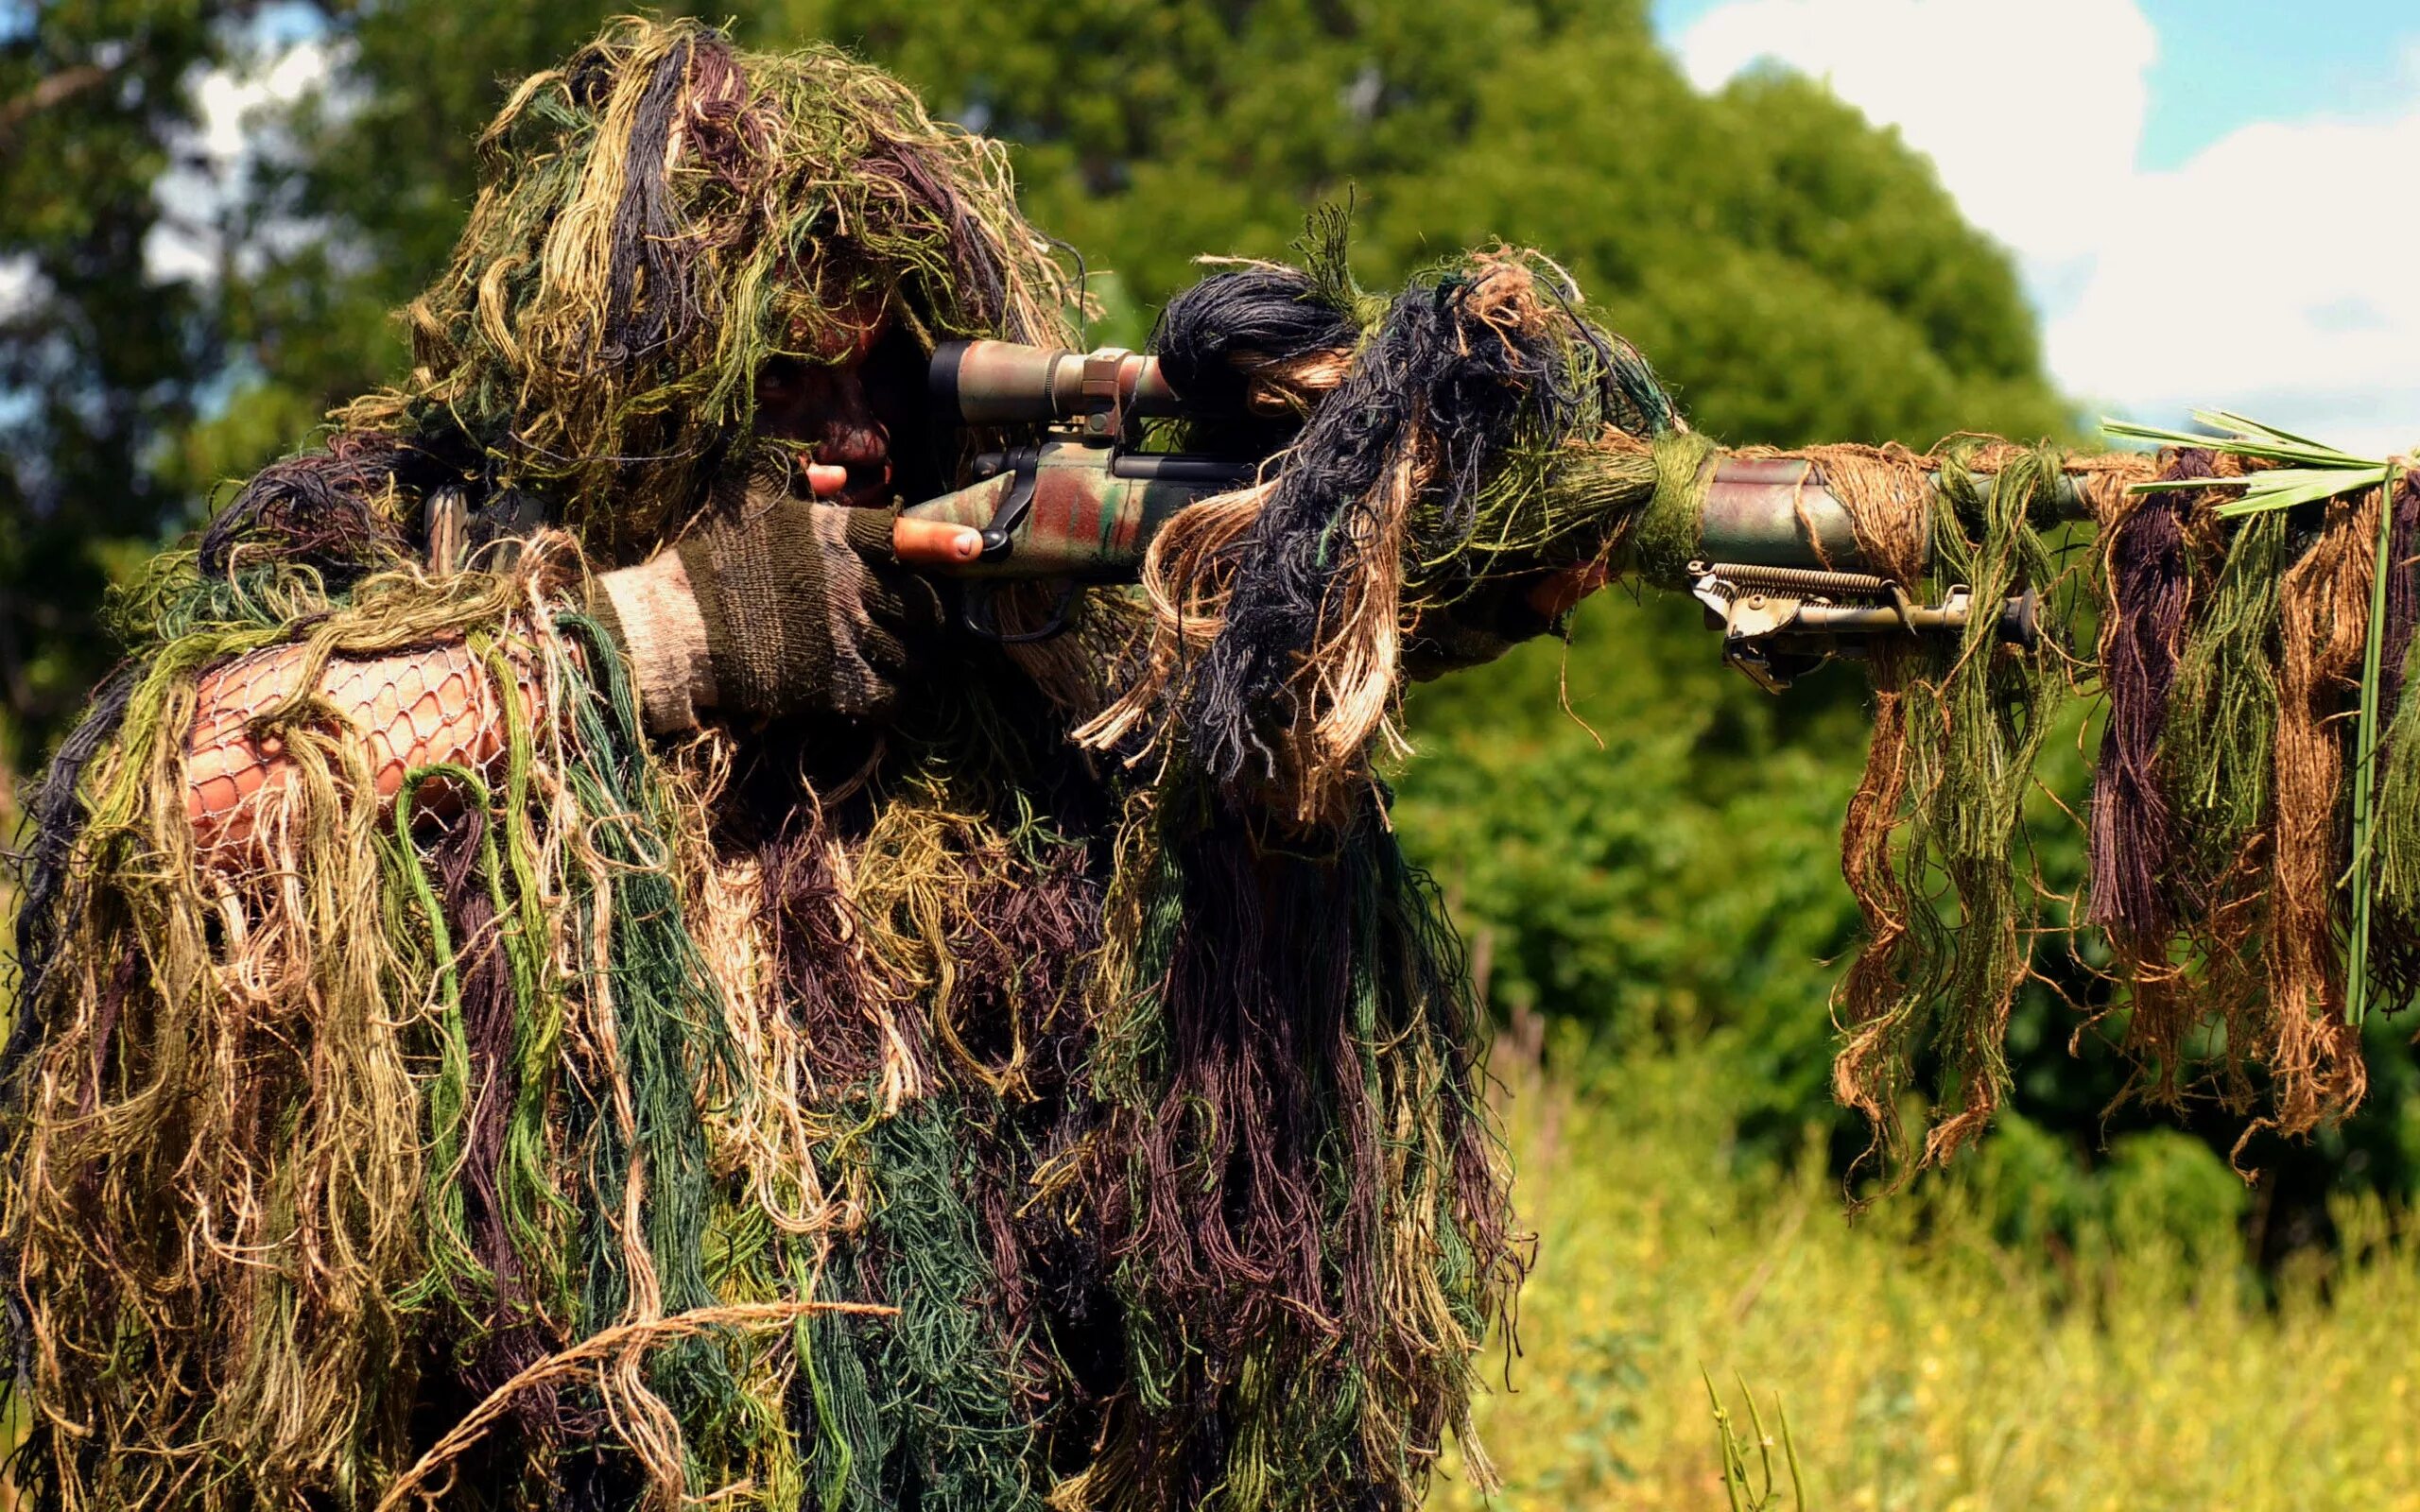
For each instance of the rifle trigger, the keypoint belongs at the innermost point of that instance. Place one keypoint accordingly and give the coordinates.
(1000, 535)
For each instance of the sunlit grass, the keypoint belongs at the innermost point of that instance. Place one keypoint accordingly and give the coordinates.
(1922, 1363)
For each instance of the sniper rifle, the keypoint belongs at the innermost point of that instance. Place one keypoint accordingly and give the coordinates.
(1778, 565)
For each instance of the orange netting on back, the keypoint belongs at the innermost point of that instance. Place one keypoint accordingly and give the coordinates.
(413, 708)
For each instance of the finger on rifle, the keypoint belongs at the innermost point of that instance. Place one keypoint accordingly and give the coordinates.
(934, 542)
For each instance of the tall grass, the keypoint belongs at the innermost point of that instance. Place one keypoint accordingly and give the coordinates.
(1926, 1359)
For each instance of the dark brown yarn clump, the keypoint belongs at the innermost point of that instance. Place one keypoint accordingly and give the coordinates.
(2149, 588)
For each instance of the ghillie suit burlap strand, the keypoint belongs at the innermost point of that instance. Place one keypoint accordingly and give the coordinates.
(1932, 843)
(1435, 475)
(2220, 869)
(505, 1109)
(1269, 928)
(2220, 831)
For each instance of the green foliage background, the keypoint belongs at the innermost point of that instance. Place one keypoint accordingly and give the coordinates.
(1655, 869)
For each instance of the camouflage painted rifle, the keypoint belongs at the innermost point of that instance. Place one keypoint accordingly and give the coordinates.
(1777, 566)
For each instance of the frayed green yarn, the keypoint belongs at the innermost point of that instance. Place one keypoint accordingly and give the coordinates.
(2399, 837)
(917, 1409)
(1989, 709)
(456, 1275)
(2221, 731)
(1326, 246)
(1555, 497)
(1665, 536)
(675, 1050)
(1932, 834)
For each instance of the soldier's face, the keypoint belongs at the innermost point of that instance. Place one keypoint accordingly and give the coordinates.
(834, 406)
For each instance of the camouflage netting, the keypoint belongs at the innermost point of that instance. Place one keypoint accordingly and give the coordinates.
(510, 1111)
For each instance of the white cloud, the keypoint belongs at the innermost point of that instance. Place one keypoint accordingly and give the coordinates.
(2270, 274)
(2031, 111)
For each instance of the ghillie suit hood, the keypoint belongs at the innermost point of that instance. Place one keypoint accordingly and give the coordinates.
(943, 1114)
(656, 220)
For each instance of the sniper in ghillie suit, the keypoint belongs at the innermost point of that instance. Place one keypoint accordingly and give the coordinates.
(766, 881)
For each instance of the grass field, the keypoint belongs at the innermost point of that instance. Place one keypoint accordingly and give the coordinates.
(1925, 1364)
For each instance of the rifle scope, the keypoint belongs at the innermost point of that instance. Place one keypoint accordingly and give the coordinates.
(1003, 383)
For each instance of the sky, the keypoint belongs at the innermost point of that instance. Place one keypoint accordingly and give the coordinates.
(2209, 200)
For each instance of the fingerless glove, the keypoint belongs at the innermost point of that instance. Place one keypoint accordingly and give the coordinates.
(779, 607)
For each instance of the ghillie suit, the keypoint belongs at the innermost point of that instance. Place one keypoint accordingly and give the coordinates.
(427, 1088)
(449, 1069)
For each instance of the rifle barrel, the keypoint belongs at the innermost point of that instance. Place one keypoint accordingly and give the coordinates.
(1776, 511)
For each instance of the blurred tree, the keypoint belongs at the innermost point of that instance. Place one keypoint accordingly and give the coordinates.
(1799, 273)
(99, 364)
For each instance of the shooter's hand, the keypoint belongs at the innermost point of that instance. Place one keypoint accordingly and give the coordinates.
(782, 607)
